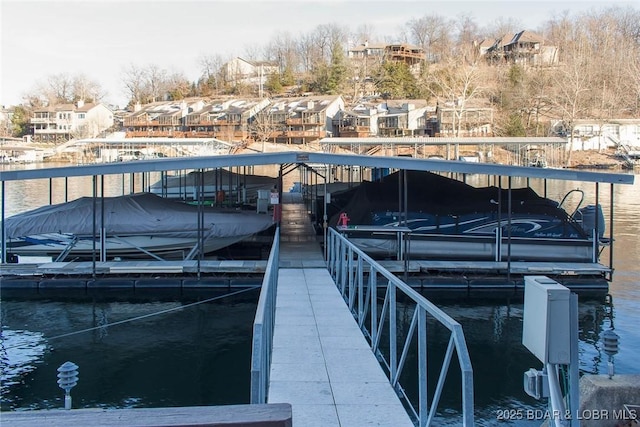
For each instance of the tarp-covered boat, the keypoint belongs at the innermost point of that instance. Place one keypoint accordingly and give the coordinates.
(448, 219)
(134, 225)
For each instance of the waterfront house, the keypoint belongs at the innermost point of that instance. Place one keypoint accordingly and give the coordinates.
(387, 118)
(160, 119)
(594, 134)
(62, 122)
(359, 121)
(297, 120)
(403, 118)
(225, 119)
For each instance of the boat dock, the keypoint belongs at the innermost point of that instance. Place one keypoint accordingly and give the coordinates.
(328, 358)
(321, 363)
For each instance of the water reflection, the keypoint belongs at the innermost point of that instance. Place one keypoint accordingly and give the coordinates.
(199, 355)
(493, 332)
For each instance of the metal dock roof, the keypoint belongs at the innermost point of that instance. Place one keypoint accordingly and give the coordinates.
(302, 157)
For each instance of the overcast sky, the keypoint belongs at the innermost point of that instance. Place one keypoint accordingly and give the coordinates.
(100, 38)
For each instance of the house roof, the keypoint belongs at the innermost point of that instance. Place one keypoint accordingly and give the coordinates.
(86, 107)
(368, 46)
(525, 37)
(500, 41)
(66, 108)
(405, 46)
(304, 104)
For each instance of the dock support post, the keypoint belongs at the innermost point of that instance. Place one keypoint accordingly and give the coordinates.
(3, 234)
(94, 185)
(611, 234)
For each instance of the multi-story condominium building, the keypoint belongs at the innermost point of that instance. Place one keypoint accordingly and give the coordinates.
(59, 123)
(160, 119)
(229, 120)
(387, 119)
(297, 120)
(302, 120)
(403, 118)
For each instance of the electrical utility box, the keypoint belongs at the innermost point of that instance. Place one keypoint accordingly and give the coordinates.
(546, 329)
(262, 204)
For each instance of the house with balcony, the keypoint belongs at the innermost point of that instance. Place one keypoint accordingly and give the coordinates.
(402, 118)
(367, 57)
(225, 119)
(359, 121)
(388, 118)
(297, 120)
(63, 122)
(160, 119)
(525, 47)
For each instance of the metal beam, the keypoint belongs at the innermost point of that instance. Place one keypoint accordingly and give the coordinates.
(408, 163)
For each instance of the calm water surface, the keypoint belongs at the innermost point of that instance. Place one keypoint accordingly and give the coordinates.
(193, 354)
(200, 355)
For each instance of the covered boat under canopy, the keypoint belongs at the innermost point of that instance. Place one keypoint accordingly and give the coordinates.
(147, 221)
(448, 219)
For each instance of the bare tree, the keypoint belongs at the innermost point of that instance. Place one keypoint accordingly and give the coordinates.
(86, 89)
(633, 74)
(59, 89)
(456, 84)
(63, 89)
(134, 81)
(178, 86)
(432, 33)
(305, 52)
(282, 49)
(468, 34)
(211, 81)
(262, 128)
(503, 26)
(572, 82)
(156, 82)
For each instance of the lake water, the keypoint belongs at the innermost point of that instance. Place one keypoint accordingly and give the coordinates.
(200, 355)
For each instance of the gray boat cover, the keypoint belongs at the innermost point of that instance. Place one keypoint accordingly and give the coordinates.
(136, 214)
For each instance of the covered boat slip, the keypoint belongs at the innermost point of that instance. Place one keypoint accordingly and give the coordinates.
(320, 168)
(136, 225)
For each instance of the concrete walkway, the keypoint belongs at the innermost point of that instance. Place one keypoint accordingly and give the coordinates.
(321, 362)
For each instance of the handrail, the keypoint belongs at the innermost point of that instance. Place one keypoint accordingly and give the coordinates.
(576, 190)
(348, 266)
(263, 324)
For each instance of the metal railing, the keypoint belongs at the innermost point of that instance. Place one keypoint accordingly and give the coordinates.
(263, 323)
(348, 265)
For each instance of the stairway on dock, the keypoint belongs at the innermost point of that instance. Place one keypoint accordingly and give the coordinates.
(321, 363)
